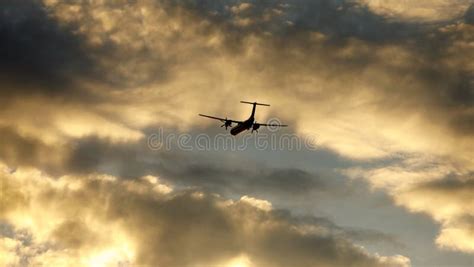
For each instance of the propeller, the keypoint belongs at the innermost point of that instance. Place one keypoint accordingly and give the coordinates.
(227, 123)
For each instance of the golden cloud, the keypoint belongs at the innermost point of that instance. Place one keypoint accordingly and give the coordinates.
(99, 220)
(441, 191)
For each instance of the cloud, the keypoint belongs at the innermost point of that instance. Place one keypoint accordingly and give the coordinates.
(448, 201)
(46, 68)
(27, 151)
(77, 221)
(423, 11)
(38, 56)
(442, 192)
(373, 88)
(469, 15)
(195, 55)
(240, 7)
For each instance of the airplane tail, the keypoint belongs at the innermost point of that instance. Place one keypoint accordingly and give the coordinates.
(254, 106)
(254, 103)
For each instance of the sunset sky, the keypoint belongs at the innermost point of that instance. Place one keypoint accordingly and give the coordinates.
(100, 158)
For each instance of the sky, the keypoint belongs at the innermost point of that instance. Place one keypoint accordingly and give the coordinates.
(104, 160)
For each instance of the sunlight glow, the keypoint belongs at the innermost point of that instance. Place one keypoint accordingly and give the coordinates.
(240, 261)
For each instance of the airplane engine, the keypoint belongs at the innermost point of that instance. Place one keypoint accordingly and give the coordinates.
(255, 127)
(227, 123)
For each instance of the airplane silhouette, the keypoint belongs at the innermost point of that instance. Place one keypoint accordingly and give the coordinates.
(244, 125)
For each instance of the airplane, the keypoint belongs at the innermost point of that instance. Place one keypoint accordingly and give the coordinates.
(244, 125)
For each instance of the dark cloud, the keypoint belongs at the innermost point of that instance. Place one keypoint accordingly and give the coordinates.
(349, 19)
(41, 56)
(291, 181)
(337, 19)
(469, 15)
(431, 80)
(452, 184)
(17, 150)
(189, 230)
(356, 234)
(38, 56)
(57, 53)
(37, 50)
(372, 236)
(90, 155)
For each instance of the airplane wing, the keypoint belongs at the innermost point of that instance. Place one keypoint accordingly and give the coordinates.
(220, 119)
(272, 125)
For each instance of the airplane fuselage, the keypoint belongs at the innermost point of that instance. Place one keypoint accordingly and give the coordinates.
(246, 125)
(243, 125)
